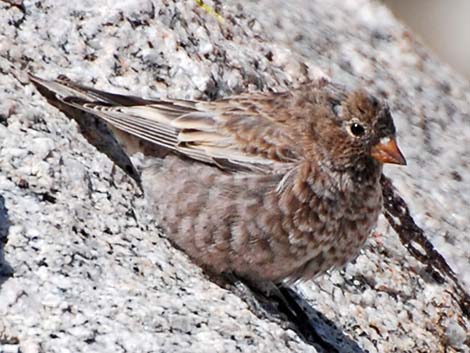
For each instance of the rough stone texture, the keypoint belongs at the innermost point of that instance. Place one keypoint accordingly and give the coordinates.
(84, 267)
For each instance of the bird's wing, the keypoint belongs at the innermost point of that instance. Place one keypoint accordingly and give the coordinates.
(240, 133)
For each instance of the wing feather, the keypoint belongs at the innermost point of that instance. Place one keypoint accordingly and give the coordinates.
(234, 134)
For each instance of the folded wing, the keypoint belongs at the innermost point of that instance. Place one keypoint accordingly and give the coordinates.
(240, 133)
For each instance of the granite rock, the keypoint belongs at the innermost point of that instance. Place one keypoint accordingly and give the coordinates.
(84, 268)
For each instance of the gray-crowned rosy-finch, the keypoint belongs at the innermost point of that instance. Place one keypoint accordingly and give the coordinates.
(269, 186)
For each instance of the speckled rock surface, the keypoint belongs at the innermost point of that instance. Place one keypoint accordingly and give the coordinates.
(83, 266)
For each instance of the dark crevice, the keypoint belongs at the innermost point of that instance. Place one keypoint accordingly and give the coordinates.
(413, 238)
(6, 271)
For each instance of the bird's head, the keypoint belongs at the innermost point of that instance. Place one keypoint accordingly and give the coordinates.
(355, 126)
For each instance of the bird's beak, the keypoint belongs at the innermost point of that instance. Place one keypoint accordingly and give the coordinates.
(387, 151)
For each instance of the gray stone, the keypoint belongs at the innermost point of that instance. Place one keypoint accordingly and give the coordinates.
(86, 269)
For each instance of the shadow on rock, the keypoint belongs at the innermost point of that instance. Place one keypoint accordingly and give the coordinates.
(315, 328)
(5, 269)
(282, 304)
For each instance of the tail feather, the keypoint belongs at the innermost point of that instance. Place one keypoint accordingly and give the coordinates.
(108, 139)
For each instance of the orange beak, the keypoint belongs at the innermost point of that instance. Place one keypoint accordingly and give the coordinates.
(387, 151)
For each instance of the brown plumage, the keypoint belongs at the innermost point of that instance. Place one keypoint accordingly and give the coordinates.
(270, 186)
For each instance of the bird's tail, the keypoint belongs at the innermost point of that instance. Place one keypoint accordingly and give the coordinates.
(117, 144)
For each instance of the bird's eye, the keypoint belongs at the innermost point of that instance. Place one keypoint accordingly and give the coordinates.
(357, 129)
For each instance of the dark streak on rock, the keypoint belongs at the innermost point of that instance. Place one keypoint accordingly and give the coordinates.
(398, 215)
(6, 271)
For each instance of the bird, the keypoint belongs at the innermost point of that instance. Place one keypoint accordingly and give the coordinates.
(268, 186)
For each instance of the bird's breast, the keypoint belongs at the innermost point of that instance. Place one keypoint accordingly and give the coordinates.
(329, 225)
(245, 223)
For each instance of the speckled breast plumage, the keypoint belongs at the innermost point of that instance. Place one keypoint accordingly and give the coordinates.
(248, 225)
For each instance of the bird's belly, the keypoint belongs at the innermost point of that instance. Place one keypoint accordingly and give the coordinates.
(218, 219)
(240, 224)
